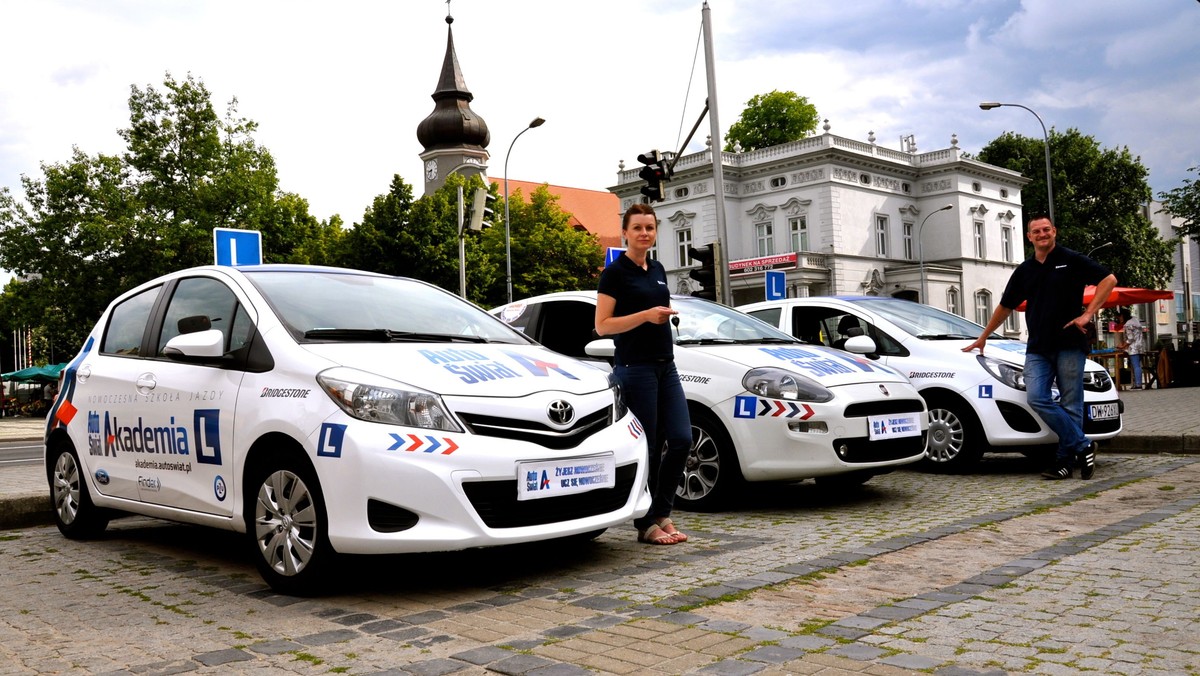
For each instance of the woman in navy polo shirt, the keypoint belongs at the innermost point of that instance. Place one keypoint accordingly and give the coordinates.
(634, 306)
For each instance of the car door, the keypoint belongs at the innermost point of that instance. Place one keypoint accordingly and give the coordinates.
(194, 403)
(107, 389)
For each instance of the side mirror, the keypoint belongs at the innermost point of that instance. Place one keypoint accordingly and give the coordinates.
(603, 348)
(860, 345)
(197, 346)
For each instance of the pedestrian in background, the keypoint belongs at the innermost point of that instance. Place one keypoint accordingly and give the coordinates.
(634, 306)
(1134, 345)
(1051, 283)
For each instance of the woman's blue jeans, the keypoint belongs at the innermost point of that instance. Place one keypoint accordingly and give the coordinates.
(1064, 416)
(655, 396)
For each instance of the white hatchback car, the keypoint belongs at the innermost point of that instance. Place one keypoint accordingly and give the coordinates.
(976, 402)
(764, 407)
(324, 411)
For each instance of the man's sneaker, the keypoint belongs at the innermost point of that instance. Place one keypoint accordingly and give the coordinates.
(1087, 462)
(1060, 471)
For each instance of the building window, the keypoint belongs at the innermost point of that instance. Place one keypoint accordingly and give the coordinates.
(799, 233)
(1006, 243)
(1013, 323)
(683, 242)
(1004, 193)
(778, 182)
(952, 301)
(682, 192)
(976, 186)
(980, 251)
(652, 254)
(907, 227)
(765, 234)
(881, 236)
(983, 307)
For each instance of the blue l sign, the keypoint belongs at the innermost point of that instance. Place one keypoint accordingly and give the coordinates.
(612, 254)
(775, 285)
(237, 247)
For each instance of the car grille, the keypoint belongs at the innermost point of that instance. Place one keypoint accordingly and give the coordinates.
(862, 449)
(536, 432)
(1101, 426)
(496, 502)
(884, 407)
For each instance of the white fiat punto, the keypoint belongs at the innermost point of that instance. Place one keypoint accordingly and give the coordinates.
(324, 411)
(976, 402)
(764, 406)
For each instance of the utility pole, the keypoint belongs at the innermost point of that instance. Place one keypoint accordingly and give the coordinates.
(717, 159)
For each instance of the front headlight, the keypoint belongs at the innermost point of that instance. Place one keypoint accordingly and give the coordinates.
(391, 404)
(620, 407)
(1013, 376)
(776, 383)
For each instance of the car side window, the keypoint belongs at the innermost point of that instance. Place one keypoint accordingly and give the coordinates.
(566, 327)
(769, 315)
(127, 324)
(816, 325)
(200, 303)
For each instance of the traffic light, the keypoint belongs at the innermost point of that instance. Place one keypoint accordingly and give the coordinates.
(481, 211)
(655, 173)
(709, 272)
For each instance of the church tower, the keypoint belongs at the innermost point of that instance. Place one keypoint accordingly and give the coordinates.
(454, 137)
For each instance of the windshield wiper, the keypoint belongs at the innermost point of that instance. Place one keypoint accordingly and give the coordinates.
(705, 341)
(946, 336)
(389, 336)
(765, 339)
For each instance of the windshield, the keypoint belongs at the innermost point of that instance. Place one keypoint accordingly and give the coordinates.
(344, 306)
(701, 321)
(923, 321)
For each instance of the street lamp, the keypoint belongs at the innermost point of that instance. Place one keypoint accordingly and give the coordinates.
(1098, 248)
(921, 251)
(988, 105)
(537, 122)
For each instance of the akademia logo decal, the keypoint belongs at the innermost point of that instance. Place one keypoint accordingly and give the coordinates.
(475, 367)
(115, 436)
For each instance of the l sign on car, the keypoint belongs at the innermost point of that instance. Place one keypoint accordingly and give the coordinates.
(323, 411)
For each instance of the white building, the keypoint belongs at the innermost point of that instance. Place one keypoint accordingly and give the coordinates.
(841, 216)
(1177, 319)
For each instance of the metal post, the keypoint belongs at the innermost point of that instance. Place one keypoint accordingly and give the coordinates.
(537, 122)
(462, 249)
(921, 252)
(988, 105)
(717, 159)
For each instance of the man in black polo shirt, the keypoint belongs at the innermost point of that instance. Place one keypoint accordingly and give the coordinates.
(1051, 284)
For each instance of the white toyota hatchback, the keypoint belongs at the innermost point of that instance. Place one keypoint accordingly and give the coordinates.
(976, 402)
(764, 406)
(324, 411)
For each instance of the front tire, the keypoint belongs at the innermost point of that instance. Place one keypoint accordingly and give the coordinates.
(287, 525)
(711, 474)
(956, 440)
(74, 513)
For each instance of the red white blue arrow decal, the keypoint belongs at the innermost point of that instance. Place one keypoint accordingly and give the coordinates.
(426, 444)
(787, 409)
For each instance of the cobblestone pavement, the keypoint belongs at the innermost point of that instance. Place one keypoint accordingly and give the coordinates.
(994, 572)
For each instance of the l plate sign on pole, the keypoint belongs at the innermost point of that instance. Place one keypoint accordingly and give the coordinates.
(612, 254)
(237, 247)
(775, 285)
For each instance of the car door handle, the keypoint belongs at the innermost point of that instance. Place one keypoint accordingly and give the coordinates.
(146, 382)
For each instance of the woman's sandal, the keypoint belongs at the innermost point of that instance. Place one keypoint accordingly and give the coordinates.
(668, 527)
(655, 535)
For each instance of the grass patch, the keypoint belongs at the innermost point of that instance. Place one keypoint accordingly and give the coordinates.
(306, 657)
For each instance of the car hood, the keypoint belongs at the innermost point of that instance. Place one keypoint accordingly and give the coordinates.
(1011, 351)
(827, 366)
(466, 369)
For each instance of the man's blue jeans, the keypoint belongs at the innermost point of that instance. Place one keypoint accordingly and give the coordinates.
(1065, 416)
(655, 396)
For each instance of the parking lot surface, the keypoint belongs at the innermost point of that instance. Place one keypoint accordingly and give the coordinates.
(997, 571)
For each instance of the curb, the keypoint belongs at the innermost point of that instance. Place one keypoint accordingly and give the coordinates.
(25, 509)
(1187, 444)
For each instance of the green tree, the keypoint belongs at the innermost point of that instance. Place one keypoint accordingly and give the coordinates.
(418, 238)
(771, 119)
(1099, 195)
(95, 226)
(1184, 203)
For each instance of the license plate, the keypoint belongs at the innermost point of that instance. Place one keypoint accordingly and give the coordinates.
(894, 426)
(1103, 411)
(552, 478)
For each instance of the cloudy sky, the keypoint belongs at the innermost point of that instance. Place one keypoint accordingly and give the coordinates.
(339, 88)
